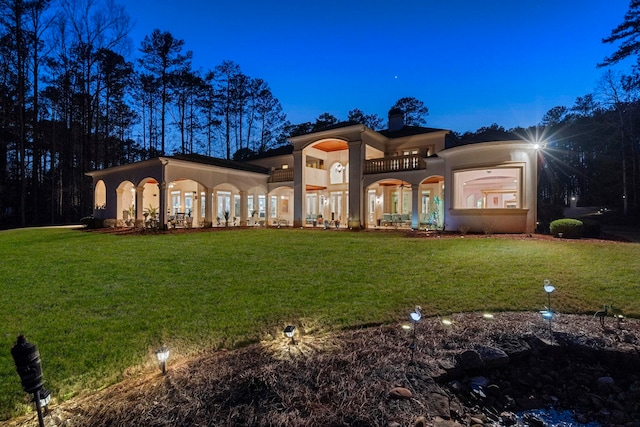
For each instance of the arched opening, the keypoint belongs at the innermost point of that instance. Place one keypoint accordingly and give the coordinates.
(389, 204)
(395, 202)
(126, 203)
(431, 199)
(326, 183)
(280, 207)
(100, 195)
(150, 202)
(186, 203)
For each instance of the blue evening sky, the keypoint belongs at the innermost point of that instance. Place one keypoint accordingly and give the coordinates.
(472, 62)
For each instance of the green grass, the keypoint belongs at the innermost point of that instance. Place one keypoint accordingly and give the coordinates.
(98, 305)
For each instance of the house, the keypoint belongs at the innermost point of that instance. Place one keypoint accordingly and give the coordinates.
(347, 175)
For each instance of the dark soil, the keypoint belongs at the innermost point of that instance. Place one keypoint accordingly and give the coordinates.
(475, 371)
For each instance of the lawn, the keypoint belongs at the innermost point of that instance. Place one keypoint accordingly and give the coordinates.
(98, 305)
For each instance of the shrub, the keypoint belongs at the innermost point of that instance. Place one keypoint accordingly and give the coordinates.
(110, 223)
(88, 221)
(569, 228)
(91, 222)
(591, 228)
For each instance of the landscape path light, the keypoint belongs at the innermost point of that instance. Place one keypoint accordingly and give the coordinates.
(27, 359)
(163, 355)
(548, 288)
(289, 332)
(415, 315)
(548, 313)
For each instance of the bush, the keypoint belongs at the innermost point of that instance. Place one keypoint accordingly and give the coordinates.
(91, 222)
(590, 228)
(110, 223)
(569, 228)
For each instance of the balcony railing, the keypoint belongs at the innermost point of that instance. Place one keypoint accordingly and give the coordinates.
(281, 175)
(394, 164)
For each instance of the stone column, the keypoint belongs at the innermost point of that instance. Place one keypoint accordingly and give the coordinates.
(208, 217)
(244, 208)
(415, 206)
(356, 166)
(298, 189)
(119, 207)
(162, 202)
(139, 202)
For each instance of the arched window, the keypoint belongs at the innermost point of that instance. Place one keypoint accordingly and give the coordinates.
(337, 173)
(100, 195)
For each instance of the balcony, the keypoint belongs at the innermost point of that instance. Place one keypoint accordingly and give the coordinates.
(394, 164)
(281, 175)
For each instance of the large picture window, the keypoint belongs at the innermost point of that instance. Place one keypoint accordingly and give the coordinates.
(488, 188)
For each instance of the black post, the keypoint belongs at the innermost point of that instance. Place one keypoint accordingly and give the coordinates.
(36, 397)
(27, 359)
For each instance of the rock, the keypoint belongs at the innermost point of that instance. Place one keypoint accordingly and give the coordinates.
(438, 404)
(528, 403)
(533, 421)
(454, 370)
(456, 386)
(420, 422)
(605, 383)
(470, 360)
(478, 419)
(479, 381)
(492, 357)
(618, 417)
(514, 347)
(400, 393)
(393, 424)
(439, 422)
(508, 418)
(493, 390)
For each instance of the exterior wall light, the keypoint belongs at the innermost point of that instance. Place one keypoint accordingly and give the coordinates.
(27, 359)
(163, 355)
(289, 332)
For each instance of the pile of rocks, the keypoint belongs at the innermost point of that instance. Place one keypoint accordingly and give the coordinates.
(488, 385)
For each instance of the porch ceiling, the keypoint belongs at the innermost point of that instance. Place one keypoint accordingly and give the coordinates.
(315, 187)
(331, 145)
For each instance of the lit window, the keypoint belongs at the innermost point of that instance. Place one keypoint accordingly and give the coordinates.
(488, 188)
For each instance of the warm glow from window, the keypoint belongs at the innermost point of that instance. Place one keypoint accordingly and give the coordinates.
(489, 188)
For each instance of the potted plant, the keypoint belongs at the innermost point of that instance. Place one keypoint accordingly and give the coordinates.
(227, 215)
(132, 215)
(152, 214)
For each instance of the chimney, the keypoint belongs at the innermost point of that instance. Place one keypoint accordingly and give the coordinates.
(396, 119)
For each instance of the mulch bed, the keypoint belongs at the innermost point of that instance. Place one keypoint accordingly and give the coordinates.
(347, 378)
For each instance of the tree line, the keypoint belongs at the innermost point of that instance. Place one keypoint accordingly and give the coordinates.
(73, 98)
